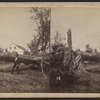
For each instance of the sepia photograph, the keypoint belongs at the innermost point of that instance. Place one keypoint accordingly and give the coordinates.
(50, 49)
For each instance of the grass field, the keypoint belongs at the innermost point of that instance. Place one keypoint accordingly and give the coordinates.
(28, 80)
(32, 80)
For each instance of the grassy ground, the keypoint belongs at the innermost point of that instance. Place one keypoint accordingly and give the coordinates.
(27, 81)
(32, 81)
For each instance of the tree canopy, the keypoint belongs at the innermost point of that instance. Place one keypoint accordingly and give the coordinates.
(42, 38)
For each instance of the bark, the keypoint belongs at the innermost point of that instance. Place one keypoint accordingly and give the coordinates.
(26, 59)
(90, 57)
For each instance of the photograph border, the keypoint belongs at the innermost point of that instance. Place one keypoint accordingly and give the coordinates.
(56, 5)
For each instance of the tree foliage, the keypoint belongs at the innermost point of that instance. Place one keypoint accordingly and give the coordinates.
(33, 45)
(88, 48)
(42, 38)
(57, 38)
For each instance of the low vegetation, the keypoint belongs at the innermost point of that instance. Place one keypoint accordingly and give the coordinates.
(32, 80)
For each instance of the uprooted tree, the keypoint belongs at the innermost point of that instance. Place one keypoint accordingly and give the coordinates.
(42, 37)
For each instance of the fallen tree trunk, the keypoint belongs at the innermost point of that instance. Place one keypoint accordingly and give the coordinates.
(90, 57)
(26, 59)
(93, 69)
(8, 67)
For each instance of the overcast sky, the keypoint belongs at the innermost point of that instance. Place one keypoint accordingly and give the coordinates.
(84, 23)
(16, 26)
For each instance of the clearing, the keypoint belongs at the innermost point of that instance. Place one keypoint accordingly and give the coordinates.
(32, 81)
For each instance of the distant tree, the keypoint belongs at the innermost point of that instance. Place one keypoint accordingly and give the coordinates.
(1, 50)
(58, 45)
(42, 38)
(58, 39)
(77, 50)
(88, 48)
(95, 50)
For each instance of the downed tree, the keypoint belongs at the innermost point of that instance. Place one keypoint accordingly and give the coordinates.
(7, 67)
(93, 69)
(92, 60)
(26, 59)
(35, 61)
(90, 57)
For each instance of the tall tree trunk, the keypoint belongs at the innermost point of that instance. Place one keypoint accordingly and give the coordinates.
(69, 41)
(68, 57)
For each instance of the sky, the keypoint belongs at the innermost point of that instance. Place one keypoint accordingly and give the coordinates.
(84, 24)
(16, 26)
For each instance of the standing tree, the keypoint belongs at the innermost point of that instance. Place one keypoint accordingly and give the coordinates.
(88, 48)
(57, 38)
(42, 38)
(33, 45)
